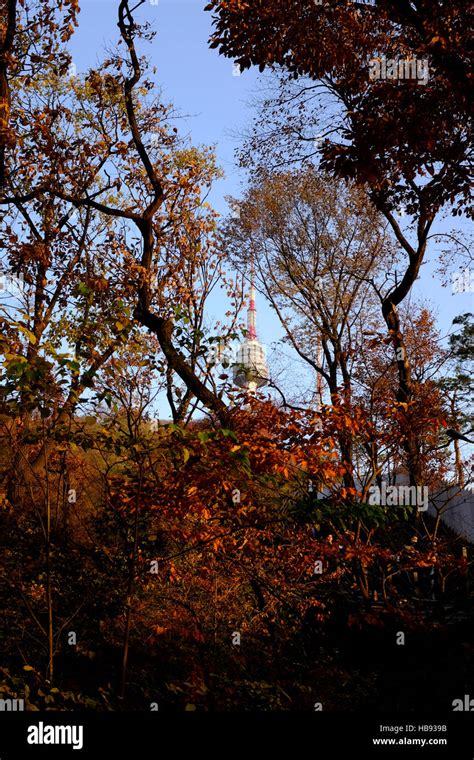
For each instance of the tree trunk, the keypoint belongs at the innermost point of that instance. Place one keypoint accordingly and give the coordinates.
(405, 390)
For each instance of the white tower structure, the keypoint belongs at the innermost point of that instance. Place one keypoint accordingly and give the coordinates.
(250, 367)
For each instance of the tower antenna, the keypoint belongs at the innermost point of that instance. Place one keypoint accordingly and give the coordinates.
(250, 368)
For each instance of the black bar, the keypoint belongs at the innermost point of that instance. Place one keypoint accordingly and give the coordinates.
(316, 736)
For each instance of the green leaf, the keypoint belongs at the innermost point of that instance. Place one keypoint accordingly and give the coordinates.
(25, 331)
(83, 290)
(229, 434)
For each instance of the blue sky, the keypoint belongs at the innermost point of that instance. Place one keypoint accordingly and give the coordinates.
(201, 85)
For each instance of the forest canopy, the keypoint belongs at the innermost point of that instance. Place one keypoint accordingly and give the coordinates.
(168, 535)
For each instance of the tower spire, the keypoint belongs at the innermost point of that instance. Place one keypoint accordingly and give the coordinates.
(252, 310)
(250, 367)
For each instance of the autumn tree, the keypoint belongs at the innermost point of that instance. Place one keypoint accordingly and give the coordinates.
(375, 380)
(76, 269)
(318, 246)
(118, 158)
(58, 210)
(7, 37)
(377, 132)
(457, 387)
(138, 150)
(31, 35)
